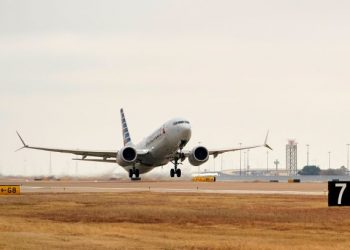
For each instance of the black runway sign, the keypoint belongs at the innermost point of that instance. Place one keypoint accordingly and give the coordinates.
(339, 193)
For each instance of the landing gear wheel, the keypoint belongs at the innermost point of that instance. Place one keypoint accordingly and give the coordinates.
(175, 170)
(134, 174)
(137, 173)
(178, 172)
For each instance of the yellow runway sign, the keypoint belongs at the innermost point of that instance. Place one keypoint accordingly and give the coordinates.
(10, 190)
(204, 179)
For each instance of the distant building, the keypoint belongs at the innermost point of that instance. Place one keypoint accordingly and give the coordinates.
(292, 157)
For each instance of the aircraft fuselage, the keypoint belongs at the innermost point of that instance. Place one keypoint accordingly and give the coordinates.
(163, 142)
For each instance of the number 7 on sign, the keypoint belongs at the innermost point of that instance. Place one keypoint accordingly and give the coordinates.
(343, 186)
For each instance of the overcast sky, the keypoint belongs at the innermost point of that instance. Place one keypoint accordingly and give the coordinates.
(234, 69)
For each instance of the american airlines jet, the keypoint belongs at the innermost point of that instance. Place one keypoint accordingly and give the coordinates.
(164, 145)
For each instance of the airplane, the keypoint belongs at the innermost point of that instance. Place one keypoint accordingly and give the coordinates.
(166, 144)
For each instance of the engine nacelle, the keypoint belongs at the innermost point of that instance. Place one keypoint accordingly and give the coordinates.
(126, 156)
(198, 156)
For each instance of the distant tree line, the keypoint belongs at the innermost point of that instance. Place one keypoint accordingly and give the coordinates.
(314, 170)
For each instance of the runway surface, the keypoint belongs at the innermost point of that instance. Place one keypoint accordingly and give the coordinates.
(225, 187)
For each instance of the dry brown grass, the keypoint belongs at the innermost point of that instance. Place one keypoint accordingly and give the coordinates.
(170, 221)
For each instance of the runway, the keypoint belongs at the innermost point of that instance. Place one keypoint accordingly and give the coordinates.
(225, 187)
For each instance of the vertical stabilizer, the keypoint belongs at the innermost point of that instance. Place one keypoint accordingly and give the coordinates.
(125, 130)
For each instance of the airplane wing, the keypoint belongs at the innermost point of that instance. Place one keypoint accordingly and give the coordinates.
(106, 156)
(216, 152)
(83, 153)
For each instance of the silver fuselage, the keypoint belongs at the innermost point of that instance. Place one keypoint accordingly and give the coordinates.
(162, 143)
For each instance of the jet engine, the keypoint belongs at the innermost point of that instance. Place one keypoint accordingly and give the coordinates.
(126, 156)
(198, 156)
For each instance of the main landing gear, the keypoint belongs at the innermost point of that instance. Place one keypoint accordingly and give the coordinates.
(175, 170)
(134, 174)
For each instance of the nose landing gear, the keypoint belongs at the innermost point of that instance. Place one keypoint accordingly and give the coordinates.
(175, 170)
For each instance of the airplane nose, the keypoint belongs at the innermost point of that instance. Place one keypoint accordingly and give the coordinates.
(186, 132)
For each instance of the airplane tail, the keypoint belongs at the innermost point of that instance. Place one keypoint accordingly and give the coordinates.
(125, 130)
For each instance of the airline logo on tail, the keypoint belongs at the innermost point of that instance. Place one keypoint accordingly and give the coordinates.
(125, 130)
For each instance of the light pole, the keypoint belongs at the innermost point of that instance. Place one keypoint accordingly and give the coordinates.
(221, 161)
(329, 160)
(50, 170)
(267, 162)
(276, 162)
(347, 158)
(244, 159)
(248, 161)
(240, 158)
(307, 154)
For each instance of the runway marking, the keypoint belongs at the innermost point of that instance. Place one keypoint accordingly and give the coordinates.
(171, 190)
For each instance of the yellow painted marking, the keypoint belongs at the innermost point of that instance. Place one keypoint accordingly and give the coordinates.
(204, 179)
(10, 189)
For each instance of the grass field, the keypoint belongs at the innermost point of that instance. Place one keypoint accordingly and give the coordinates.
(171, 221)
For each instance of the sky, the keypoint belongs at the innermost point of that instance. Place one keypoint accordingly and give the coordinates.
(234, 69)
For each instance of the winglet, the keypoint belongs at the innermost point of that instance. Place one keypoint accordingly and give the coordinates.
(265, 142)
(24, 144)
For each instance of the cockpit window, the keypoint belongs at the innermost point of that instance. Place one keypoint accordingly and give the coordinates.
(180, 122)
